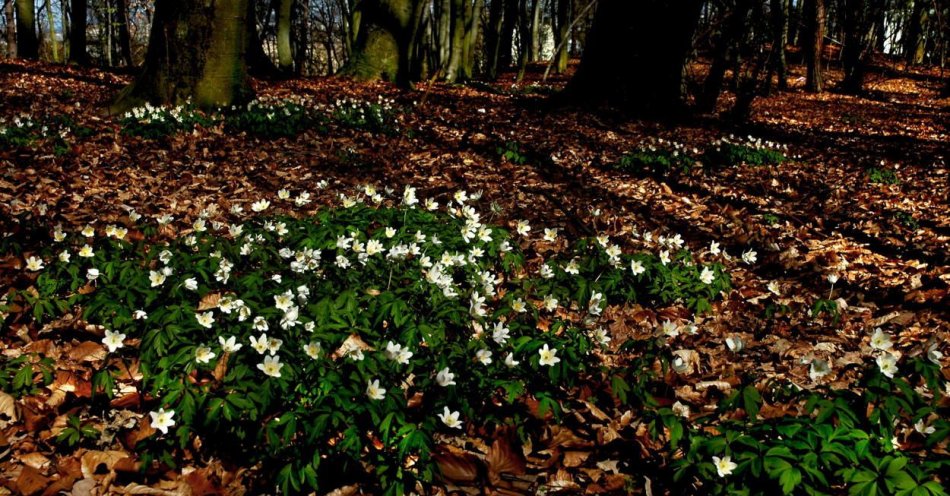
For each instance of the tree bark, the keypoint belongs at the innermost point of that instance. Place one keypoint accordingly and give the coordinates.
(26, 41)
(859, 31)
(51, 22)
(285, 59)
(734, 28)
(77, 33)
(472, 26)
(779, 18)
(382, 49)
(456, 40)
(563, 16)
(196, 53)
(913, 42)
(635, 56)
(125, 37)
(814, 16)
(8, 9)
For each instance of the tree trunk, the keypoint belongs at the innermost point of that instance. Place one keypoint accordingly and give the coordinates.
(196, 53)
(26, 42)
(814, 17)
(729, 37)
(302, 40)
(914, 41)
(125, 38)
(779, 18)
(456, 40)
(524, 37)
(54, 47)
(382, 49)
(77, 33)
(285, 59)
(636, 54)
(563, 16)
(858, 24)
(535, 54)
(472, 26)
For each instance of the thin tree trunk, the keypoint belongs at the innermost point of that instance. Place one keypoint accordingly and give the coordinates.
(472, 27)
(914, 42)
(26, 42)
(779, 18)
(728, 39)
(814, 16)
(77, 33)
(535, 54)
(496, 17)
(125, 37)
(54, 47)
(456, 39)
(8, 9)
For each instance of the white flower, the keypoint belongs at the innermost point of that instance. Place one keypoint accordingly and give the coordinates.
(735, 344)
(665, 257)
(140, 315)
(707, 276)
(273, 345)
(680, 409)
(86, 252)
(284, 301)
(832, 278)
(203, 354)
(934, 354)
(205, 319)
(373, 391)
(156, 278)
(200, 225)
(259, 344)
(113, 340)
(550, 303)
(431, 204)
(636, 267)
(880, 340)
(397, 353)
(546, 271)
(523, 228)
(271, 366)
(283, 194)
(88, 231)
(445, 378)
(923, 428)
(260, 205)
(35, 264)
(888, 364)
(818, 369)
(409, 196)
(92, 274)
(749, 257)
(59, 236)
(476, 306)
(162, 419)
(64, 256)
(500, 333)
(191, 284)
(724, 465)
(450, 419)
(230, 345)
(548, 356)
(312, 349)
(374, 246)
(510, 361)
(669, 329)
(483, 356)
(600, 336)
(389, 232)
(714, 248)
(774, 288)
(593, 307)
(519, 306)
(550, 234)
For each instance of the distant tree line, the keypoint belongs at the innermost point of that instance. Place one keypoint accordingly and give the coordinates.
(636, 54)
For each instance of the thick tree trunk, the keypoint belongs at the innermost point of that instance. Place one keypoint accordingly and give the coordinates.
(77, 33)
(814, 17)
(196, 53)
(27, 44)
(51, 22)
(636, 54)
(285, 58)
(8, 9)
(472, 26)
(382, 49)
(858, 24)
(303, 44)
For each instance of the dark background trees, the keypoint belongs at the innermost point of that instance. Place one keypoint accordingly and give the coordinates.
(743, 45)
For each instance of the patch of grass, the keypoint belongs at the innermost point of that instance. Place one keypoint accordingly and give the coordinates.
(877, 175)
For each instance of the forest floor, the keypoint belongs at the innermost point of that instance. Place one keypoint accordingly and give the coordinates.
(816, 215)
